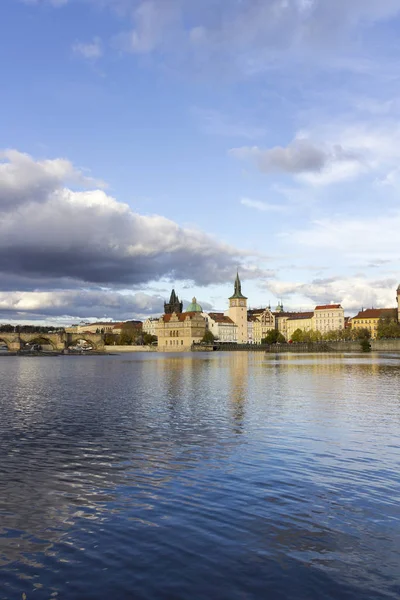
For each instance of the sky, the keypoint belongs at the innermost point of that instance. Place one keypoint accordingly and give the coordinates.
(151, 144)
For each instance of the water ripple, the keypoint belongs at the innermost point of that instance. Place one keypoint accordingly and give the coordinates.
(231, 476)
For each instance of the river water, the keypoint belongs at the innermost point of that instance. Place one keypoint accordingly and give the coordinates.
(226, 475)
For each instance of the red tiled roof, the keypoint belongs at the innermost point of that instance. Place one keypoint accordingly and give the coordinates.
(328, 306)
(291, 315)
(221, 318)
(376, 313)
(181, 316)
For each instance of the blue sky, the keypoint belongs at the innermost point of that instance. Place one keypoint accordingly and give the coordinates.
(150, 143)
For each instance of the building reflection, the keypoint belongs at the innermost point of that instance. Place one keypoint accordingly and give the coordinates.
(238, 381)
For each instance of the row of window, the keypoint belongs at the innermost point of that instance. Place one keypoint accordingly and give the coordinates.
(173, 343)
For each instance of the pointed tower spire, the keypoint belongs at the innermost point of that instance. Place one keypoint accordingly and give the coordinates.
(237, 293)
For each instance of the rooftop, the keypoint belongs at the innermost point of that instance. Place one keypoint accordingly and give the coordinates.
(376, 313)
(221, 318)
(305, 315)
(328, 306)
(180, 316)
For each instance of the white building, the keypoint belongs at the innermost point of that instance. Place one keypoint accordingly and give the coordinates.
(329, 317)
(150, 324)
(221, 326)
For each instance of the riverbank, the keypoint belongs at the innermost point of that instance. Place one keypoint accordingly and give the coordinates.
(119, 349)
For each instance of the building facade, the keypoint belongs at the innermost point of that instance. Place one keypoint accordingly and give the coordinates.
(369, 319)
(303, 321)
(177, 332)
(398, 303)
(150, 325)
(328, 317)
(238, 311)
(222, 327)
(263, 324)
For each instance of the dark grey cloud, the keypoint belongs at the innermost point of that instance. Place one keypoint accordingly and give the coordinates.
(300, 156)
(88, 237)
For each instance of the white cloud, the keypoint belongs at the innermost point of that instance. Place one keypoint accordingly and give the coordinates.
(91, 50)
(24, 180)
(262, 206)
(153, 21)
(352, 293)
(78, 304)
(215, 123)
(375, 236)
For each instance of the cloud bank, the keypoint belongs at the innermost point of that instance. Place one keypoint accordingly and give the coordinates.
(55, 236)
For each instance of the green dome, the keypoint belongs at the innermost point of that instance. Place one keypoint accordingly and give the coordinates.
(194, 307)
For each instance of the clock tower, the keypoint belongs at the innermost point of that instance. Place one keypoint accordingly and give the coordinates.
(398, 303)
(238, 311)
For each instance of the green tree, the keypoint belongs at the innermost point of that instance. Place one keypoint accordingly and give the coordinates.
(365, 345)
(149, 339)
(110, 339)
(130, 334)
(298, 336)
(388, 328)
(273, 337)
(362, 333)
(208, 337)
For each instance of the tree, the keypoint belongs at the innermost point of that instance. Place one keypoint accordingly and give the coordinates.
(387, 328)
(149, 339)
(362, 333)
(365, 345)
(129, 334)
(273, 337)
(297, 336)
(208, 337)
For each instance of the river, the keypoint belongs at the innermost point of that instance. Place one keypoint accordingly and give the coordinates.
(226, 476)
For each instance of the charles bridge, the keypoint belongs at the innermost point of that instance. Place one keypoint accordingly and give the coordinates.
(57, 341)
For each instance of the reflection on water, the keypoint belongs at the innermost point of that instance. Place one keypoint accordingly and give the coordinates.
(227, 475)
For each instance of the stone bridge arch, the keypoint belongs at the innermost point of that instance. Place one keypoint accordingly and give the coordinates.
(13, 345)
(40, 339)
(96, 340)
(54, 340)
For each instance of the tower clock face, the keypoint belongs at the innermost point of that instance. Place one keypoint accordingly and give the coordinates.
(241, 302)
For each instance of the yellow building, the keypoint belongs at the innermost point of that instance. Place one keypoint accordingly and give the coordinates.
(99, 327)
(238, 311)
(303, 321)
(369, 319)
(177, 332)
(263, 323)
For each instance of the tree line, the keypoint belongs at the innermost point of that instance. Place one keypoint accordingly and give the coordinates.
(387, 328)
(7, 328)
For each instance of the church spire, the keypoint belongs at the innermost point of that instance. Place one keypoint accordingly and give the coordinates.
(238, 288)
(174, 305)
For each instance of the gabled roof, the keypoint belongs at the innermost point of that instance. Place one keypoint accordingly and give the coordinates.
(181, 316)
(376, 313)
(328, 306)
(221, 318)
